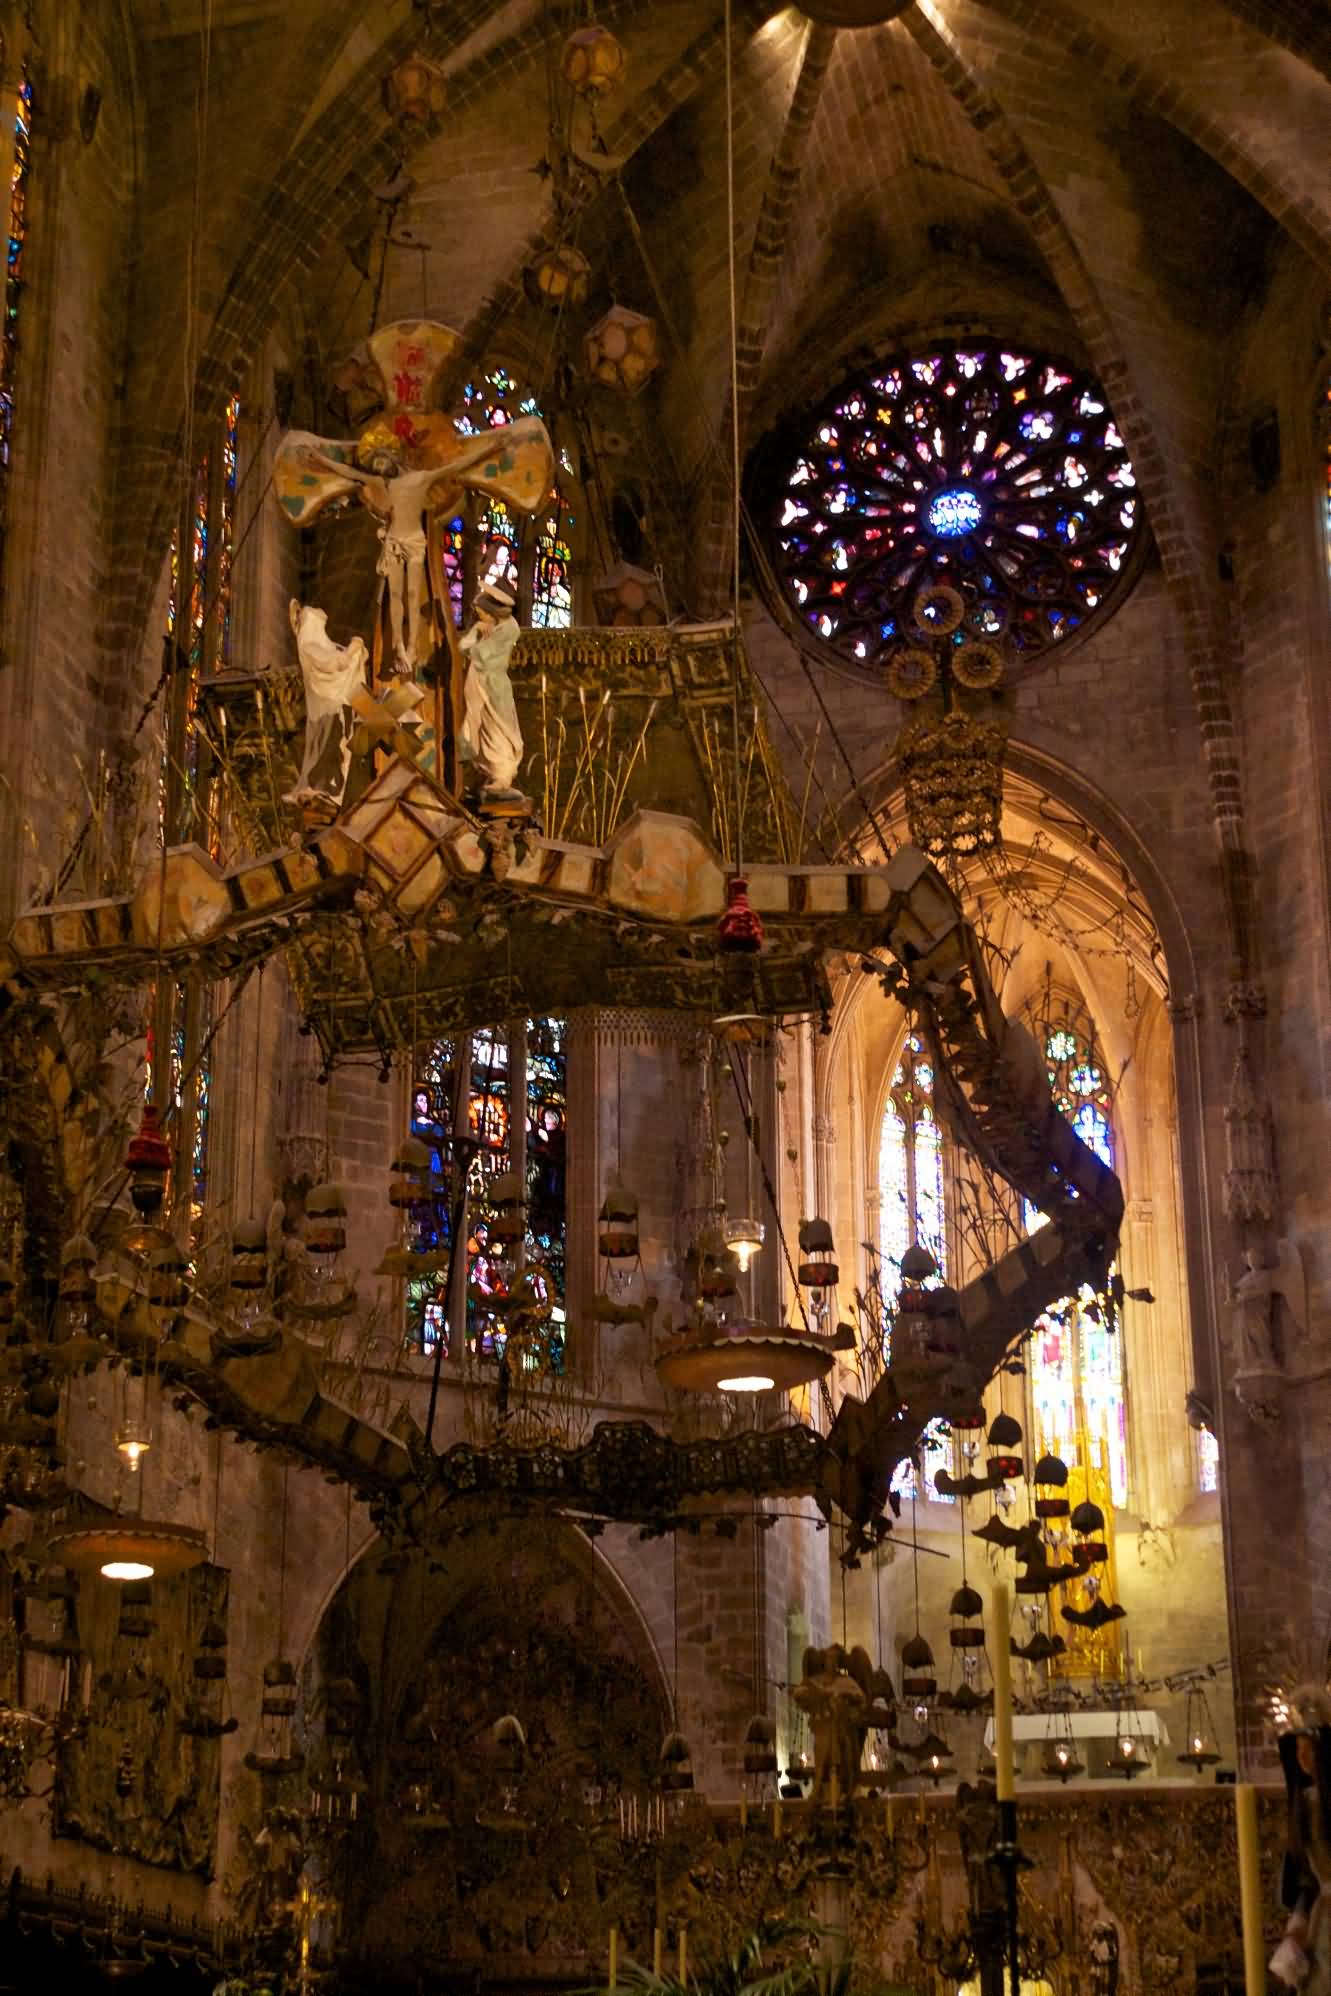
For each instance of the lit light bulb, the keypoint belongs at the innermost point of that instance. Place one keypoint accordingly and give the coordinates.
(1197, 1743)
(748, 1382)
(1127, 1747)
(133, 1448)
(934, 1762)
(127, 1569)
(1062, 1755)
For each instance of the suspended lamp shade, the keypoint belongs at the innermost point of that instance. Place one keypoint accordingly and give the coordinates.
(1051, 1475)
(968, 1605)
(817, 1266)
(917, 1264)
(760, 1745)
(130, 1549)
(744, 1358)
(1004, 1432)
(148, 1160)
(744, 1238)
(411, 1173)
(415, 94)
(249, 1254)
(675, 1765)
(917, 1669)
(593, 62)
(618, 1235)
(740, 930)
(621, 350)
(559, 277)
(325, 1219)
(1005, 1439)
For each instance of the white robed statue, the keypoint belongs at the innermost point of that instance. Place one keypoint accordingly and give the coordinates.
(491, 736)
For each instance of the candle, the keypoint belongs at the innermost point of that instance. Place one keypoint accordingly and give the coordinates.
(776, 1817)
(1001, 1620)
(743, 1813)
(834, 1793)
(1250, 1890)
(683, 1954)
(614, 1956)
(656, 1952)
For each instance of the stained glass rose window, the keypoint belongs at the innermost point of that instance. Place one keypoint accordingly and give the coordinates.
(989, 469)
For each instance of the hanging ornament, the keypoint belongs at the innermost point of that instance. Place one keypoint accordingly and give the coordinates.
(918, 1678)
(1050, 1479)
(249, 1257)
(760, 1746)
(739, 932)
(739, 1357)
(675, 1765)
(1061, 1760)
(412, 1173)
(1005, 1460)
(618, 1236)
(1199, 1731)
(817, 1267)
(593, 61)
(621, 350)
(273, 1752)
(967, 1631)
(415, 93)
(744, 1237)
(148, 1161)
(558, 277)
(209, 1662)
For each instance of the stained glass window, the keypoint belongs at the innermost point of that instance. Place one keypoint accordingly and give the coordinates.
(1076, 1350)
(495, 1061)
(533, 559)
(911, 1210)
(18, 235)
(997, 471)
(1208, 1460)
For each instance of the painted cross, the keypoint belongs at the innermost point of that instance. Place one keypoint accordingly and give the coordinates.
(411, 466)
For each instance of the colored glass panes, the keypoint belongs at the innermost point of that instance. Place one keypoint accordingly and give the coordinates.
(1076, 1352)
(1208, 1460)
(533, 560)
(220, 590)
(18, 234)
(911, 1212)
(493, 1063)
(1001, 473)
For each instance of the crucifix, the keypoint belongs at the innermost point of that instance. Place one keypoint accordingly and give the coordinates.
(306, 1907)
(412, 467)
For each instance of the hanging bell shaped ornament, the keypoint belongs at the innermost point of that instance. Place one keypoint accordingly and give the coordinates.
(967, 1632)
(1050, 1478)
(617, 1239)
(410, 1182)
(593, 61)
(675, 1765)
(1005, 1461)
(209, 1663)
(325, 1221)
(739, 932)
(78, 1291)
(1088, 1522)
(148, 1161)
(718, 1267)
(817, 1265)
(249, 1256)
(760, 1746)
(918, 1679)
(509, 1223)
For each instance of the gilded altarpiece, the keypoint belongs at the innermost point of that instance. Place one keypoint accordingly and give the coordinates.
(143, 1779)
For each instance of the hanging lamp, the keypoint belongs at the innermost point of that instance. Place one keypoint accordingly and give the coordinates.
(744, 1358)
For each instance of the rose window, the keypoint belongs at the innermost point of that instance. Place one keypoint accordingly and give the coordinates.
(993, 470)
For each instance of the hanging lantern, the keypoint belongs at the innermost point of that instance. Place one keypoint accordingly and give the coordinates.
(967, 1631)
(148, 1161)
(1040, 1649)
(817, 1267)
(168, 1284)
(129, 1549)
(1129, 1758)
(1005, 1460)
(1061, 1762)
(628, 598)
(1199, 1730)
(414, 96)
(1088, 1521)
(558, 277)
(739, 932)
(411, 1169)
(78, 1291)
(136, 1620)
(918, 1679)
(744, 1237)
(209, 1663)
(675, 1765)
(618, 1236)
(743, 1358)
(621, 350)
(1050, 1479)
(593, 61)
(249, 1256)
(760, 1745)
(134, 1430)
(273, 1752)
(718, 1269)
(325, 1224)
(505, 1197)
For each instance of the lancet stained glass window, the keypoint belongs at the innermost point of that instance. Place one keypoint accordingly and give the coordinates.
(911, 1210)
(18, 236)
(996, 470)
(496, 1060)
(532, 558)
(1076, 1349)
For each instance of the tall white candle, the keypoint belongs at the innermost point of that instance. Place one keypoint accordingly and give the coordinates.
(1001, 1622)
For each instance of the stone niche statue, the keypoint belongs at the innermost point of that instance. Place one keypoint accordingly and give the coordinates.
(1252, 1306)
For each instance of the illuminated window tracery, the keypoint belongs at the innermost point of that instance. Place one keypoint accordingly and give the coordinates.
(532, 558)
(997, 471)
(14, 283)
